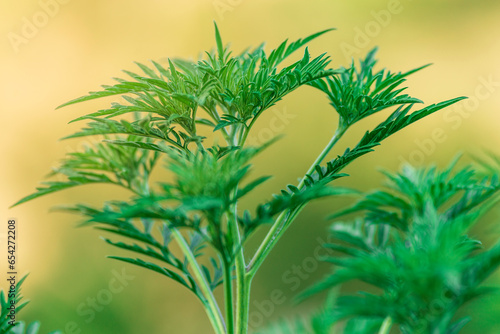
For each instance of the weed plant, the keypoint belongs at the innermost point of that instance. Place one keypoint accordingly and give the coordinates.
(156, 122)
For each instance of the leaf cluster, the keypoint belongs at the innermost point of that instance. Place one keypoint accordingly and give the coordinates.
(7, 299)
(198, 200)
(412, 243)
(402, 117)
(358, 92)
(127, 166)
(232, 91)
(321, 322)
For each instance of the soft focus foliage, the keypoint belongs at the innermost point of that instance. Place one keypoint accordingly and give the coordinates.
(413, 244)
(9, 299)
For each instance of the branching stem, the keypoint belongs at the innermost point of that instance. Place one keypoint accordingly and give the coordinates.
(242, 284)
(212, 308)
(286, 217)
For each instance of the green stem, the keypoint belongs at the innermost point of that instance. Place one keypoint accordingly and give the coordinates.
(241, 134)
(234, 311)
(229, 299)
(242, 307)
(336, 136)
(286, 217)
(211, 306)
(245, 132)
(386, 326)
(242, 284)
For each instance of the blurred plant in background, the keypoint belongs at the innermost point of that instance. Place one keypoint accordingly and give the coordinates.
(10, 305)
(413, 245)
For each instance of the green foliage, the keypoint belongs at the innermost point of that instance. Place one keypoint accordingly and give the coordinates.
(32, 328)
(359, 93)
(128, 166)
(290, 200)
(191, 229)
(233, 91)
(318, 323)
(413, 244)
(321, 322)
(316, 326)
(204, 188)
(7, 299)
(398, 120)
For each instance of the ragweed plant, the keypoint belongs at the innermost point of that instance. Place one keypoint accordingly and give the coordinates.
(413, 244)
(158, 119)
(10, 305)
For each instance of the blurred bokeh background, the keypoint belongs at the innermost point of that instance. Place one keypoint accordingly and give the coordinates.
(53, 50)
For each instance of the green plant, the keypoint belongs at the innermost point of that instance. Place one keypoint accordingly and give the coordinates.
(413, 244)
(159, 117)
(10, 302)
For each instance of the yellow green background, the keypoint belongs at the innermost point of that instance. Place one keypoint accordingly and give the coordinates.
(86, 43)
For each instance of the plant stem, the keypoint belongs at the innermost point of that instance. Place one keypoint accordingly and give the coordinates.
(228, 297)
(242, 285)
(243, 306)
(282, 222)
(245, 132)
(212, 308)
(244, 275)
(386, 326)
(336, 136)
